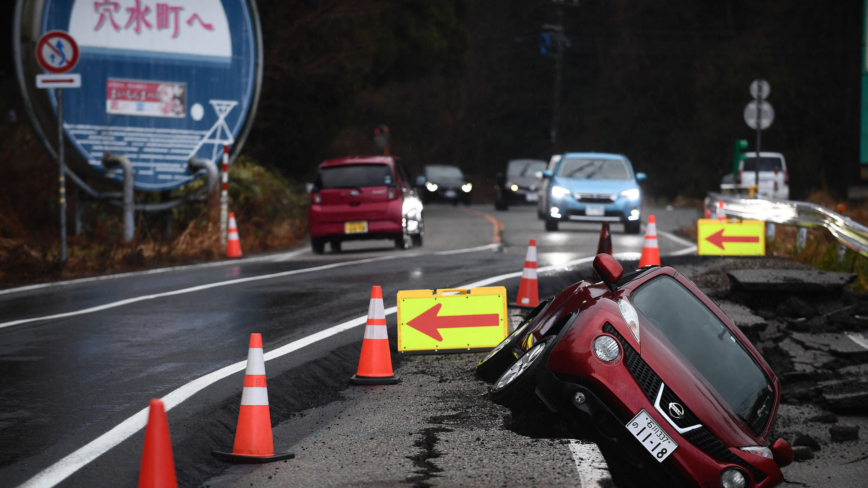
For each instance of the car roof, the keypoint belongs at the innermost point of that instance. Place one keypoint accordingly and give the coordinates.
(389, 160)
(441, 166)
(594, 155)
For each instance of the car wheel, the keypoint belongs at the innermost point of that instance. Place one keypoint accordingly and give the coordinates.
(317, 245)
(403, 242)
(417, 240)
(503, 355)
(633, 227)
(514, 388)
(336, 246)
(551, 225)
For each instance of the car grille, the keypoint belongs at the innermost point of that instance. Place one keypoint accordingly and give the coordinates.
(649, 382)
(595, 197)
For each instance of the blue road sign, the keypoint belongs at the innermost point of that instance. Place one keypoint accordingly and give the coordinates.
(162, 81)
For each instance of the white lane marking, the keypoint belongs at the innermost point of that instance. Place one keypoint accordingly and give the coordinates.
(64, 468)
(590, 463)
(858, 339)
(469, 249)
(277, 258)
(192, 289)
(680, 240)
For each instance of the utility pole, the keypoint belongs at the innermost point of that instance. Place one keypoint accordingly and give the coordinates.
(558, 78)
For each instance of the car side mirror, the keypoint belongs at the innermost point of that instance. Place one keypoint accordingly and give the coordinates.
(308, 187)
(609, 269)
(782, 452)
(641, 176)
(420, 180)
(548, 174)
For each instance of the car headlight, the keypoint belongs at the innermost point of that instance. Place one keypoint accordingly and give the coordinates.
(631, 194)
(559, 191)
(759, 451)
(606, 348)
(467, 187)
(732, 478)
(631, 318)
(431, 186)
(513, 187)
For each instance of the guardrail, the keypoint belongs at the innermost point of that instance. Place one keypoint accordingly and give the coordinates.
(849, 233)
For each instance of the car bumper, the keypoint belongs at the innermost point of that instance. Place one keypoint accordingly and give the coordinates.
(568, 209)
(604, 415)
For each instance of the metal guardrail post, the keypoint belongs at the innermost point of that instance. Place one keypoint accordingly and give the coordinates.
(802, 239)
(111, 161)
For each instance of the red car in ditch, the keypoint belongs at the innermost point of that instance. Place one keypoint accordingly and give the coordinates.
(367, 197)
(654, 372)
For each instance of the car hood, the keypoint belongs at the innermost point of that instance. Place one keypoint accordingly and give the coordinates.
(583, 185)
(447, 182)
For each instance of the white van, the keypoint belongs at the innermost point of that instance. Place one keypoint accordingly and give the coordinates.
(774, 180)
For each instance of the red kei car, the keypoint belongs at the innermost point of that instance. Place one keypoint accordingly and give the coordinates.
(367, 197)
(653, 371)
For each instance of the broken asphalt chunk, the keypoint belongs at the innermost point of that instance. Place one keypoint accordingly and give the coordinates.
(843, 433)
(789, 280)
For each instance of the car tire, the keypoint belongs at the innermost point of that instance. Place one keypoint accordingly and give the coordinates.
(551, 225)
(317, 245)
(501, 206)
(403, 242)
(336, 246)
(504, 354)
(514, 389)
(417, 240)
(633, 227)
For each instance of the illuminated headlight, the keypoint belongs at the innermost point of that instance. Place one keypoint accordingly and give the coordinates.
(759, 451)
(431, 186)
(413, 225)
(634, 214)
(632, 194)
(513, 187)
(732, 478)
(467, 187)
(556, 212)
(630, 317)
(606, 349)
(559, 191)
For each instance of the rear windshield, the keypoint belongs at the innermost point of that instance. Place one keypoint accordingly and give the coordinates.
(765, 164)
(597, 169)
(708, 345)
(353, 176)
(443, 172)
(525, 167)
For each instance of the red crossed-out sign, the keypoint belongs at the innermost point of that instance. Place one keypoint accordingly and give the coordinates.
(57, 52)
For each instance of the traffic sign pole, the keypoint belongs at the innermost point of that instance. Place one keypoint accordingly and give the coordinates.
(759, 132)
(62, 178)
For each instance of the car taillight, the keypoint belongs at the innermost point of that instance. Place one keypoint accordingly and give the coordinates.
(786, 178)
(315, 198)
(391, 194)
(738, 178)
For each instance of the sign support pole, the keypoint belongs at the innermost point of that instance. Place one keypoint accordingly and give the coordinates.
(62, 177)
(224, 197)
(759, 130)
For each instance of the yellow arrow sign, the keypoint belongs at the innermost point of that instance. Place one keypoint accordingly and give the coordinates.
(451, 320)
(730, 238)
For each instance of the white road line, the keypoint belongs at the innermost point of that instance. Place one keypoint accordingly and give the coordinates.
(590, 463)
(285, 256)
(470, 249)
(858, 339)
(64, 468)
(680, 240)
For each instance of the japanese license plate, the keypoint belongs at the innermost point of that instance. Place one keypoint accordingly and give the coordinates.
(595, 210)
(532, 197)
(359, 227)
(449, 194)
(651, 436)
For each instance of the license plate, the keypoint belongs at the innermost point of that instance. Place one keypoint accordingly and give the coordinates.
(359, 227)
(651, 436)
(449, 194)
(532, 197)
(595, 210)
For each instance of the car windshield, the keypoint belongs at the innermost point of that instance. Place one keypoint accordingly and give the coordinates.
(705, 342)
(353, 176)
(597, 169)
(525, 167)
(765, 164)
(443, 172)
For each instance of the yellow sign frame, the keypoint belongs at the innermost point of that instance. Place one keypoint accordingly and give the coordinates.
(475, 305)
(730, 237)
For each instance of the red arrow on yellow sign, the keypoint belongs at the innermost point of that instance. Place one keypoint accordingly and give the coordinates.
(718, 239)
(730, 237)
(429, 322)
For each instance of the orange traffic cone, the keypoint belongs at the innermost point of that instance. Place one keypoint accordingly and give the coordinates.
(375, 362)
(253, 440)
(528, 292)
(233, 245)
(605, 245)
(158, 467)
(720, 214)
(707, 213)
(650, 251)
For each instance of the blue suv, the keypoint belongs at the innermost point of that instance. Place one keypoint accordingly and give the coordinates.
(594, 187)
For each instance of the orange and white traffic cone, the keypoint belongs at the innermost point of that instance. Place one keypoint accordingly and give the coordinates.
(375, 362)
(158, 467)
(233, 245)
(605, 244)
(650, 251)
(707, 213)
(253, 440)
(528, 291)
(720, 213)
